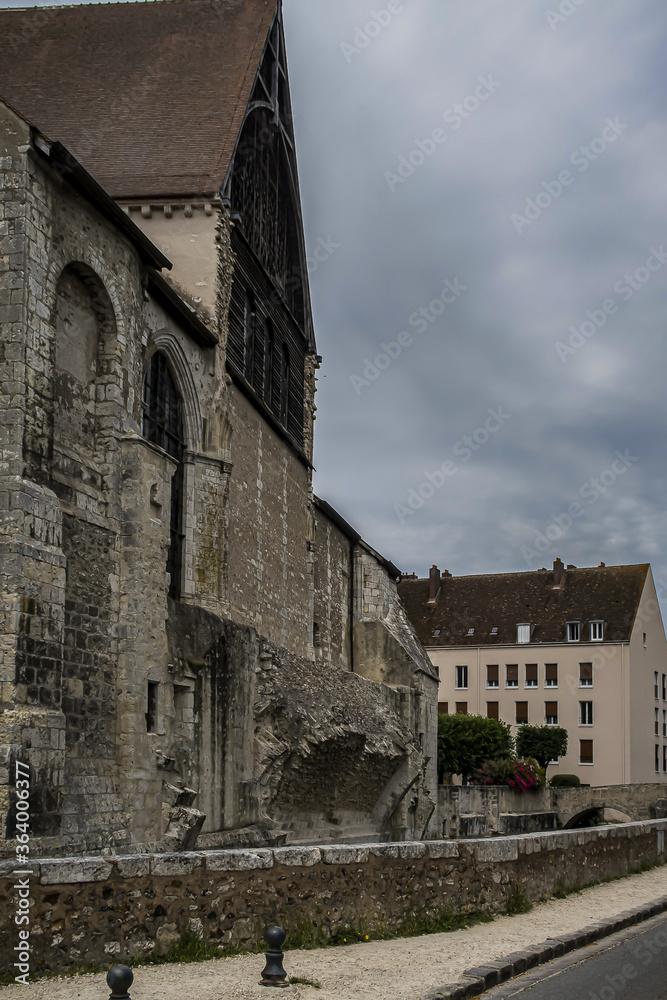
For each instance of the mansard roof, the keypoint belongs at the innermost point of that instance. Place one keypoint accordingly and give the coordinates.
(150, 97)
(546, 599)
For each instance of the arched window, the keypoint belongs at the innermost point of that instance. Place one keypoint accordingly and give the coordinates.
(163, 425)
(284, 387)
(249, 322)
(269, 356)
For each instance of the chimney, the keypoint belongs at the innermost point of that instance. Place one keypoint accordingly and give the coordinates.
(433, 584)
(559, 569)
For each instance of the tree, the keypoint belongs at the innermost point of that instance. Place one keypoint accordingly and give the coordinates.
(544, 743)
(465, 742)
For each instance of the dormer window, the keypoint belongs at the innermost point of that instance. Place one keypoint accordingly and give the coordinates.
(471, 631)
(523, 633)
(597, 631)
(573, 631)
(494, 630)
(437, 632)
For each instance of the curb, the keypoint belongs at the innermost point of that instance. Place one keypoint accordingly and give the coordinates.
(478, 980)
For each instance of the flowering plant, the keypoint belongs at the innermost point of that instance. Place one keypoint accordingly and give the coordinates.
(523, 775)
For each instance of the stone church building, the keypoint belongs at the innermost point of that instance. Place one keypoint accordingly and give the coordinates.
(195, 650)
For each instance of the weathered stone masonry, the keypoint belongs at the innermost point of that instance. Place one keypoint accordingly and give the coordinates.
(97, 910)
(147, 720)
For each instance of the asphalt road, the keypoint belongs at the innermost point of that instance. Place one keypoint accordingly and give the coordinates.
(630, 965)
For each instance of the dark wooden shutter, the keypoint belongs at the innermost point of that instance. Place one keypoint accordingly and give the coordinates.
(586, 751)
(492, 710)
(551, 672)
(443, 708)
(462, 708)
(492, 675)
(585, 671)
(551, 709)
(531, 672)
(522, 711)
(513, 673)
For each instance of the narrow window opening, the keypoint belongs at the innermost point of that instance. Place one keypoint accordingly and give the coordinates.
(163, 425)
(151, 707)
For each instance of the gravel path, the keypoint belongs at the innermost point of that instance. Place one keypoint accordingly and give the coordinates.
(403, 969)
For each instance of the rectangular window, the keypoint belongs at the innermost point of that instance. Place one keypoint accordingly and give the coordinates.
(573, 631)
(657, 758)
(512, 675)
(664, 722)
(656, 723)
(443, 708)
(664, 687)
(151, 707)
(551, 675)
(462, 708)
(492, 676)
(655, 685)
(492, 710)
(523, 633)
(585, 751)
(585, 675)
(664, 759)
(531, 675)
(597, 631)
(585, 713)
(551, 713)
(521, 713)
(462, 678)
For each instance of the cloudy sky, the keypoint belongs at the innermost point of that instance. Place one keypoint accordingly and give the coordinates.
(486, 212)
(541, 198)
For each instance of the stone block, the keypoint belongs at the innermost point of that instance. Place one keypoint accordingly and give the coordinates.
(133, 866)
(384, 850)
(344, 855)
(68, 870)
(297, 857)
(412, 851)
(238, 861)
(442, 849)
(498, 849)
(175, 864)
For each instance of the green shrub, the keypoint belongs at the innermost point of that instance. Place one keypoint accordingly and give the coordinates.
(565, 781)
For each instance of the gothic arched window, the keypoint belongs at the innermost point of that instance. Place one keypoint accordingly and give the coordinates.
(163, 425)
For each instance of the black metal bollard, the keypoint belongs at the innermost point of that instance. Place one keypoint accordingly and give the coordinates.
(119, 980)
(274, 973)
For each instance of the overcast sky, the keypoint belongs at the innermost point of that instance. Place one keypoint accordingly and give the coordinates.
(484, 184)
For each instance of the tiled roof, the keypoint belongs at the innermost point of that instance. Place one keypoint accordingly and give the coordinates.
(505, 600)
(150, 97)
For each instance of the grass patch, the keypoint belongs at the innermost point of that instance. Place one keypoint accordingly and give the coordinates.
(517, 901)
(303, 981)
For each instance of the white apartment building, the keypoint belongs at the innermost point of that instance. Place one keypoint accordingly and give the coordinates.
(580, 648)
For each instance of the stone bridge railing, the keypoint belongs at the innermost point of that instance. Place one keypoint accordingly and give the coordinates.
(476, 811)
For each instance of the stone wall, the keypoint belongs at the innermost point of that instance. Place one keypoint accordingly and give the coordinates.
(108, 910)
(476, 811)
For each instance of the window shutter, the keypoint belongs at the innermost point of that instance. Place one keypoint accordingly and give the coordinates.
(585, 671)
(586, 751)
(513, 672)
(522, 711)
(443, 708)
(492, 674)
(551, 671)
(551, 708)
(531, 672)
(492, 710)
(462, 708)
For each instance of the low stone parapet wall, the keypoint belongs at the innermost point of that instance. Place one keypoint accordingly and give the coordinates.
(99, 911)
